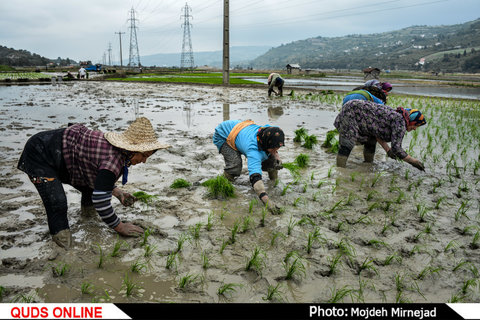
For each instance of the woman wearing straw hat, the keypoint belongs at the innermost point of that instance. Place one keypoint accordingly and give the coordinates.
(91, 162)
(363, 121)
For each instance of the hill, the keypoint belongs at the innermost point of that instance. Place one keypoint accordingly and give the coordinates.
(456, 48)
(238, 56)
(13, 57)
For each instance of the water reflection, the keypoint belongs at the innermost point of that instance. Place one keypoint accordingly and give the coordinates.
(188, 114)
(274, 113)
(226, 111)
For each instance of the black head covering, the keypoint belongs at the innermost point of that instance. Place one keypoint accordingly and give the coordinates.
(271, 138)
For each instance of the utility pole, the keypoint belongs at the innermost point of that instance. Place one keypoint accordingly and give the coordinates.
(187, 52)
(120, 37)
(133, 41)
(226, 44)
(109, 53)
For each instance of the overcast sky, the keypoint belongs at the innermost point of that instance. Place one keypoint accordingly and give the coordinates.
(84, 29)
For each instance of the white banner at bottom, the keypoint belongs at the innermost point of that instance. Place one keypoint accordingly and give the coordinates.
(61, 311)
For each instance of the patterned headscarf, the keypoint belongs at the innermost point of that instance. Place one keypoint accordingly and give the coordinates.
(416, 117)
(386, 86)
(412, 116)
(271, 138)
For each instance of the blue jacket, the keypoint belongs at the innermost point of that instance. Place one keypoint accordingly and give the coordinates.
(361, 96)
(246, 143)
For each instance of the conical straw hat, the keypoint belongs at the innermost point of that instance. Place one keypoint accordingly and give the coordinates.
(139, 137)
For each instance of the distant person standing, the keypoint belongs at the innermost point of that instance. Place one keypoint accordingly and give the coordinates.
(274, 80)
(82, 73)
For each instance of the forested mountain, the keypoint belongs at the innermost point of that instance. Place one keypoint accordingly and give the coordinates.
(12, 57)
(437, 48)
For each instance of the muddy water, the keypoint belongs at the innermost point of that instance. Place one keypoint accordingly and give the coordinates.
(362, 214)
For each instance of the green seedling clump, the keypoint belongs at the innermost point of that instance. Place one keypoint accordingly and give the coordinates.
(330, 138)
(180, 183)
(220, 187)
(144, 197)
(300, 134)
(302, 160)
(310, 141)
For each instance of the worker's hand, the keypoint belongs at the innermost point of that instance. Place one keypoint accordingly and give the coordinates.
(271, 206)
(418, 164)
(125, 198)
(128, 229)
(390, 154)
(278, 164)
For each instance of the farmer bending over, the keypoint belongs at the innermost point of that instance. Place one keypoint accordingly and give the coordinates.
(259, 144)
(91, 162)
(368, 122)
(274, 80)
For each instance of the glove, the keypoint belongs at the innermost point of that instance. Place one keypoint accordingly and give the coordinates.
(418, 164)
(392, 155)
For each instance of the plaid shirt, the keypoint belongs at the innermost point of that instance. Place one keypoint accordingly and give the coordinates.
(86, 152)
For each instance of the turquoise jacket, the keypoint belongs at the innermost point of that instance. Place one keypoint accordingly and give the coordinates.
(361, 95)
(246, 143)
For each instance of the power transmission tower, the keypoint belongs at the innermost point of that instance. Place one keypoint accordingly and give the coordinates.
(120, 36)
(109, 53)
(134, 55)
(187, 53)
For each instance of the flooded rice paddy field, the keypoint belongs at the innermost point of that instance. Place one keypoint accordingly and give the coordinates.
(381, 232)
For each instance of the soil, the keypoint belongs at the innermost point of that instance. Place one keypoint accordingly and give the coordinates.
(366, 216)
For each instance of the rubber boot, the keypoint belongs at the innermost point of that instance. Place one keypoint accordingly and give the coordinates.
(341, 161)
(227, 175)
(63, 239)
(88, 211)
(273, 174)
(368, 157)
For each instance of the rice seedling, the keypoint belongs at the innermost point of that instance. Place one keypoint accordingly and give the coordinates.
(145, 236)
(329, 172)
(353, 175)
(144, 197)
(138, 266)
(330, 138)
(60, 269)
(149, 250)
(428, 270)
(391, 258)
(340, 294)
(452, 245)
(377, 243)
(195, 230)
(117, 247)
(101, 257)
(294, 269)
(320, 183)
(367, 265)
(180, 183)
(422, 211)
(234, 231)
(310, 141)
(227, 289)
(209, 224)
(225, 243)
(171, 260)
(302, 160)
(376, 178)
(23, 298)
(251, 204)
(475, 240)
(181, 241)
(462, 211)
(371, 194)
(87, 288)
(187, 280)
(456, 298)
(334, 263)
(3, 291)
(335, 206)
(129, 286)
(296, 201)
(439, 201)
(293, 168)
(256, 261)
(205, 260)
(373, 206)
(460, 265)
(467, 284)
(407, 174)
(300, 134)
(312, 238)
(285, 188)
(220, 187)
(276, 235)
(273, 293)
(264, 214)
(247, 223)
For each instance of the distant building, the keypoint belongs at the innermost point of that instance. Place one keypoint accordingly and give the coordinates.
(293, 68)
(371, 73)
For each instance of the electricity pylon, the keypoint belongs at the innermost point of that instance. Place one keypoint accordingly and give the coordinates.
(187, 52)
(134, 55)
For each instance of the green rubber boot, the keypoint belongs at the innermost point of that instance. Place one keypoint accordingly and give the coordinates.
(63, 239)
(341, 161)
